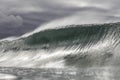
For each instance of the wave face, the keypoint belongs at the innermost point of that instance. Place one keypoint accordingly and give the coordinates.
(71, 46)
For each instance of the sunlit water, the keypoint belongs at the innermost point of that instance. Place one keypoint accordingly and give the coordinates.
(103, 73)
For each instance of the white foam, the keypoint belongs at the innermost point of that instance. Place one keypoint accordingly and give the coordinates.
(7, 77)
(9, 39)
(46, 59)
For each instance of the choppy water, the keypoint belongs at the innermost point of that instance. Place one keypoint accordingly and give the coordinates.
(96, 73)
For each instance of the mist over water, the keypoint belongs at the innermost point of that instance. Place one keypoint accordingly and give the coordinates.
(70, 52)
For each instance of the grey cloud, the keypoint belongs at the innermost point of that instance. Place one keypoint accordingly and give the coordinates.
(10, 20)
(20, 16)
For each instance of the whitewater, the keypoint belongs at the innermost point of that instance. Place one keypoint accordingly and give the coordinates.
(67, 46)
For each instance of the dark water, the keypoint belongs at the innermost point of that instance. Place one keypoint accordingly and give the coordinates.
(99, 73)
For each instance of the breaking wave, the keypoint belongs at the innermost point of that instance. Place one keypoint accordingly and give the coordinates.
(71, 46)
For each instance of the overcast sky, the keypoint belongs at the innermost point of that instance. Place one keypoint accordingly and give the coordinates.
(20, 16)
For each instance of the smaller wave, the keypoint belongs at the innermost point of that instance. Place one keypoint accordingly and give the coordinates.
(9, 39)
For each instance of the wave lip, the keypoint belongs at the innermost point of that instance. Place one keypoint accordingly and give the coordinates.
(83, 35)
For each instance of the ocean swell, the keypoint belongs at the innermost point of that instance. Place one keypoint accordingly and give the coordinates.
(71, 46)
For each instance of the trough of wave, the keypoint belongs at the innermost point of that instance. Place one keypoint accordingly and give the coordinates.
(71, 46)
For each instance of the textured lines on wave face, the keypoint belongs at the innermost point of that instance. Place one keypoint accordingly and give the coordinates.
(80, 34)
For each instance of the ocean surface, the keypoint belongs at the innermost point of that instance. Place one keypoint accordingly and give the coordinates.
(96, 73)
(71, 52)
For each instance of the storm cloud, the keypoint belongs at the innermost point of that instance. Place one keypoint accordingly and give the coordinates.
(18, 17)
